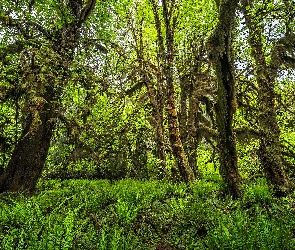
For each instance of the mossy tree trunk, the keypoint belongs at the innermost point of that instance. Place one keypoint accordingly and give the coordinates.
(190, 95)
(185, 170)
(187, 121)
(270, 148)
(29, 155)
(220, 50)
(193, 137)
(166, 61)
(158, 117)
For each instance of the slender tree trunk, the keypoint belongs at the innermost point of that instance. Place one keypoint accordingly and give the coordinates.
(155, 97)
(166, 63)
(187, 121)
(220, 50)
(159, 126)
(185, 170)
(174, 136)
(193, 137)
(270, 148)
(183, 110)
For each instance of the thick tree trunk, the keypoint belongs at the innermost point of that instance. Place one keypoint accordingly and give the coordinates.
(224, 118)
(219, 46)
(28, 158)
(270, 148)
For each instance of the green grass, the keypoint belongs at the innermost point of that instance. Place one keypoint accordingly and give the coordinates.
(130, 214)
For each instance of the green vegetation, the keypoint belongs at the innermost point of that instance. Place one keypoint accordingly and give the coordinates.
(147, 124)
(131, 214)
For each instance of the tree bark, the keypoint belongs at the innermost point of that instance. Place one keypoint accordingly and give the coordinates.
(220, 50)
(188, 116)
(193, 137)
(185, 170)
(183, 110)
(270, 148)
(155, 97)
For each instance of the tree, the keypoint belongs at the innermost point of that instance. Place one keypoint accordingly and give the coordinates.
(220, 51)
(266, 74)
(29, 155)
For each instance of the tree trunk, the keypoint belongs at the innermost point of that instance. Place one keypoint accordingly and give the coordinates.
(158, 116)
(185, 170)
(187, 121)
(220, 50)
(224, 116)
(166, 59)
(193, 137)
(270, 148)
(156, 107)
(28, 158)
(183, 110)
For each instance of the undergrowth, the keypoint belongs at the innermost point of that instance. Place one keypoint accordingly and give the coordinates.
(130, 214)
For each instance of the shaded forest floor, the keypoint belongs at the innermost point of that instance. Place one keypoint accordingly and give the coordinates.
(131, 214)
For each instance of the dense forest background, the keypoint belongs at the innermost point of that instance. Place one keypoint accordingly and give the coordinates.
(183, 100)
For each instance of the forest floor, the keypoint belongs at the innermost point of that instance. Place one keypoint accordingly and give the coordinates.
(132, 214)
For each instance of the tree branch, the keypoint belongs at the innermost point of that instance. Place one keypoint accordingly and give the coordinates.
(23, 25)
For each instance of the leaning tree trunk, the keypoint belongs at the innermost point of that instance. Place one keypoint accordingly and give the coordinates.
(270, 148)
(29, 155)
(28, 158)
(220, 50)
